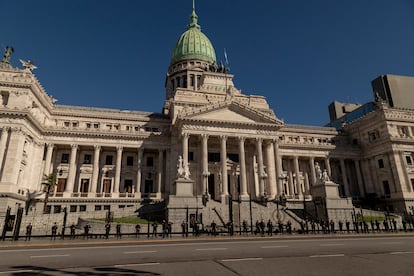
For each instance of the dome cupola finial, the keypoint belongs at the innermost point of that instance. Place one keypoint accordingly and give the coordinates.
(193, 19)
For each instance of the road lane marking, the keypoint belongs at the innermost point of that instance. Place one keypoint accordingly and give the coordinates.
(11, 272)
(241, 260)
(401, 252)
(143, 264)
(331, 244)
(49, 256)
(390, 242)
(274, 246)
(98, 245)
(210, 249)
(327, 256)
(139, 252)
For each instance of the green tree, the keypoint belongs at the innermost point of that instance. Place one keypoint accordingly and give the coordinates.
(49, 181)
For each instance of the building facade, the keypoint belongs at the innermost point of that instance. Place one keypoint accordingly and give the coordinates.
(210, 146)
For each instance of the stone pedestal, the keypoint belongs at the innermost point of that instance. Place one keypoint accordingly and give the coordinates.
(184, 187)
(329, 205)
(326, 189)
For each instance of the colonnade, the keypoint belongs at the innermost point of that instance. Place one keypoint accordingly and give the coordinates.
(102, 171)
(271, 178)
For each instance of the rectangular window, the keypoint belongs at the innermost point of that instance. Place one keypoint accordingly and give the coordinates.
(130, 161)
(88, 125)
(87, 158)
(233, 157)
(150, 161)
(108, 160)
(107, 207)
(95, 125)
(412, 182)
(73, 208)
(65, 158)
(190, 156)
(48, 209)
(128, 186)
(380, 163)
(409, 160)
(84, 188)
(57, 209)
(106, 187)
(386, 186)
(213, 157)
(61, 185)
(66, 124)
(82, 208)
(75, 124)
(98, 207)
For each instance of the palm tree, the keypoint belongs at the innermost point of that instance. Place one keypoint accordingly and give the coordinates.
(50, 181)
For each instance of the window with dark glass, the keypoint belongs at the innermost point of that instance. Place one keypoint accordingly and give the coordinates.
(87, 158)
(65, 158)
(150, 161)
(190, 156)
(108, 160)
(130, 161)
(380, 163)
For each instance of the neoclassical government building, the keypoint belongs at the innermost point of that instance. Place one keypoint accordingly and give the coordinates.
(211, 146)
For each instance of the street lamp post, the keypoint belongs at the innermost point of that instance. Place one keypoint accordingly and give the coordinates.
(205, 174)
(263, 176)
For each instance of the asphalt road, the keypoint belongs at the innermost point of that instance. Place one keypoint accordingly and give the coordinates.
(268, 256)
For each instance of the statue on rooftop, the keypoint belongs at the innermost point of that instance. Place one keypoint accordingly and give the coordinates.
(8, 51)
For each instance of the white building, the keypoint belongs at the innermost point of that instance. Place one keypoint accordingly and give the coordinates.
(211, 143)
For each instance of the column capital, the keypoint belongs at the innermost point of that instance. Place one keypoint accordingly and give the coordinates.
(185, 135)
(119, 148)
(97, 147)
(242, 139)
(5, 128)
(74, 146)
(259, 140)
(204, 136)
(223, 137)
(50, 145)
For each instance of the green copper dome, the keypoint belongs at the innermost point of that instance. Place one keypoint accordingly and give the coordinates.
(193, 44)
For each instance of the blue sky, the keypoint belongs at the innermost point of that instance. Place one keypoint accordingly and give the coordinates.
(301, 55)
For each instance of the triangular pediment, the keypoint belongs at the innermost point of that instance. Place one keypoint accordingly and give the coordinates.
(230, 112)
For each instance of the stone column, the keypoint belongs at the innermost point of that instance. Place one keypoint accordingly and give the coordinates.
(296, 167)
(359, 178)
(204, 173)
(119, 150)
(139, 168)
(271, 171)
(328, 167)
(306, 184)
(3, 141)
(159, 178)
(95, 171)
(72, 170)
(291, 188)
(344, 178)
(312, 168)
(261, 172)
(223, 158)
(243, 175)
(48, 161)
(185, 137)
(278, 164)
